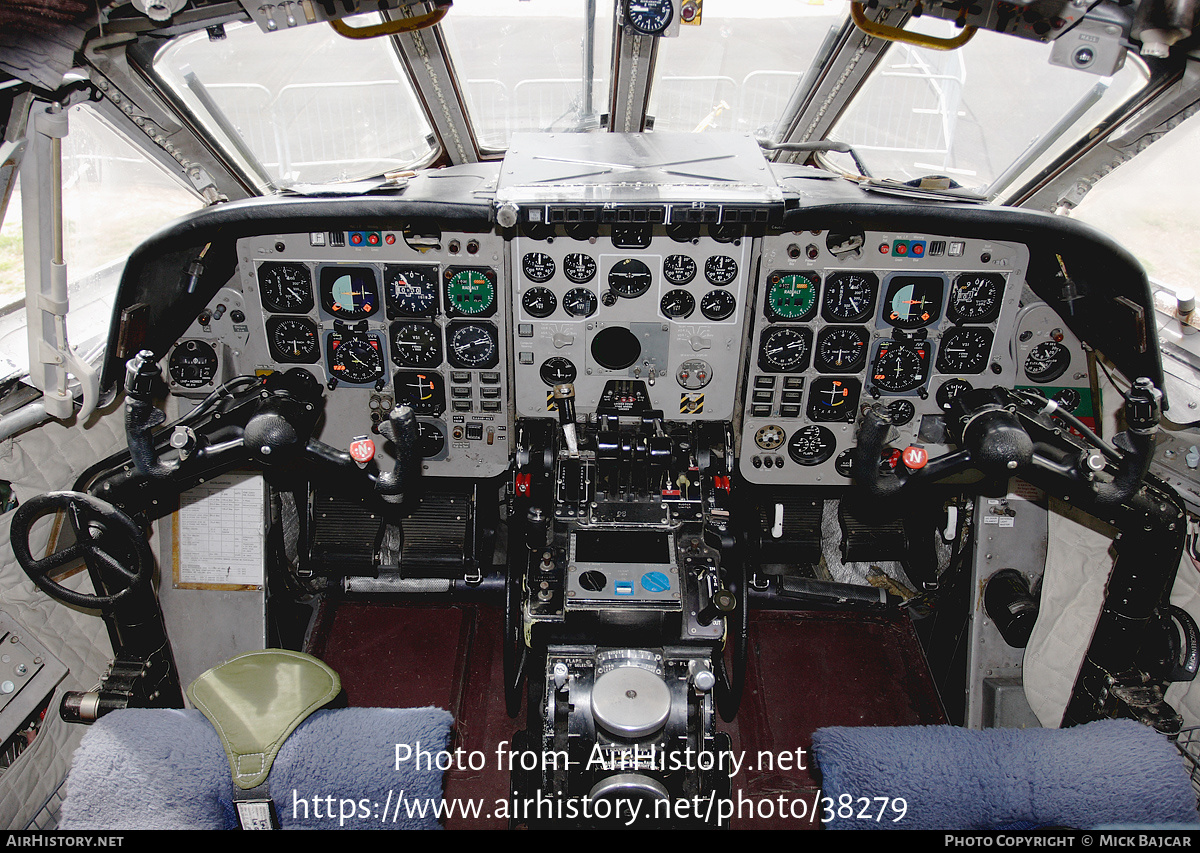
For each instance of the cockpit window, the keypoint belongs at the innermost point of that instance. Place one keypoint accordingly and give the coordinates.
(1150, 206)
(531, 65)
(739, 68)
(303, 105)
(932, 112)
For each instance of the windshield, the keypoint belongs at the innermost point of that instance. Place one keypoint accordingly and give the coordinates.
(301, 106)
(309, 106)
(948, 112)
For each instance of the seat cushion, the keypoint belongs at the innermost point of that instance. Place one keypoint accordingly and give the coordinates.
(340, 769)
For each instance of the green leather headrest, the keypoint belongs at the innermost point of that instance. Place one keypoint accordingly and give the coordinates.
(256, 700)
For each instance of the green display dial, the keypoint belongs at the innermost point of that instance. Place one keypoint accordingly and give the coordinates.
(470, 292)
(791, 296)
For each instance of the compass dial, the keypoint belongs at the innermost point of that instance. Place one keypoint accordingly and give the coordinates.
(791, 296)
(293, 340)
(785, 349)
(579, 268)
(900, 367)
(416, 344)
(285, 287)
(355, 359)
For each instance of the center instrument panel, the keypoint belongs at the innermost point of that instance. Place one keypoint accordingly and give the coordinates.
(843, 320)
(635, 320)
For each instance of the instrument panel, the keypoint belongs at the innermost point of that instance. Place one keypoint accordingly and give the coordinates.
(636, 319)
(841, 321)
(786, 335)
(379, 323)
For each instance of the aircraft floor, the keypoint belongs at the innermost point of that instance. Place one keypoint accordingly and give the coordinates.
(805, 670)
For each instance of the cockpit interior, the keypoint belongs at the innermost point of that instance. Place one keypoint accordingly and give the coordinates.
(671, 387)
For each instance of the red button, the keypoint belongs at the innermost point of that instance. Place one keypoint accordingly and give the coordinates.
(915, 458)
(362, 450)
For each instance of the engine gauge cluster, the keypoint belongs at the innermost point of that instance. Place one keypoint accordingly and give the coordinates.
(835, 331)
(659, 308)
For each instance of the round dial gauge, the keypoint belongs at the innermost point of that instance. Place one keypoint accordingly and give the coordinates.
(579, 268)
(349, 293)
(629, 278)
(1068, 398)
(833, 399)
(1047, 361)
(784, 349)
(356, 359)
(679, 269)
(850, 297)
(557, 370)
(192, 364)
(411, 291)
(538, 266)
(901, 412)
(791, 296)
(539, 302)
(950, 389)
(684, 232)
(718, 304)
(811, 445)
(472, 345)
(430, 439)
(416, 344)
(900, 367)
(677, 304)
(580, 302)
(424, 392)
(293, 340)
(769, 437)
(976, 298)
(285, 287)
(470, 292)
(720, 270)
(965, 350)
(650, 17)
(841, 349)
(913, 301)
